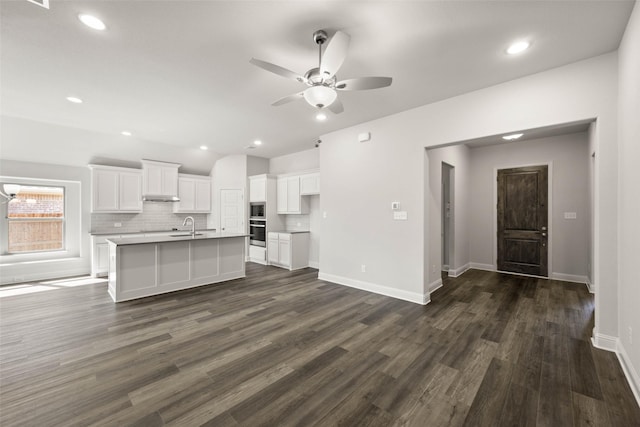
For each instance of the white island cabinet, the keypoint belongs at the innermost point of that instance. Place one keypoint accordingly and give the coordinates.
(145, 266)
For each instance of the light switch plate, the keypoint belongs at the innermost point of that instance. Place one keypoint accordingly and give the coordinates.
(395, 205)
(570, 215)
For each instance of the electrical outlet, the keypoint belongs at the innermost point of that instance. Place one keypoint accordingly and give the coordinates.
(363, 268)
(117, 224)
(630, 335)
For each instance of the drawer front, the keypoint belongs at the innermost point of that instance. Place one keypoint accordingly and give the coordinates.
(272, 235)
(285, 236)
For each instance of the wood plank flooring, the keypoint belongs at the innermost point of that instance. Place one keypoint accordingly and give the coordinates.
(283, 348)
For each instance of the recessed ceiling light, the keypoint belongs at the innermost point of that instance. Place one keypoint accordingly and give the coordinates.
(518, 47)
(126, 133)
(321, 117)
(74, 99)
(257, 142)
(512, 136)
(204, 147)
(91, 22)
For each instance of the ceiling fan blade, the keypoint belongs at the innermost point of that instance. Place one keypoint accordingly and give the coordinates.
(336, 107)
(287, 99)
(277, 69)
(364, 83)
(334, 54)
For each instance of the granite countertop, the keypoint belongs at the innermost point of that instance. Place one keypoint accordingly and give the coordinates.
(111, 233)
(180, 236)
(289, 231)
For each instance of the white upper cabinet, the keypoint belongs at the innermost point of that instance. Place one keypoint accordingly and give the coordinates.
(130, 191)
(115, 189)
(291, 189)
(159, 178)
(288, 196)
(195, 194)
(258, 188)
(310, 184)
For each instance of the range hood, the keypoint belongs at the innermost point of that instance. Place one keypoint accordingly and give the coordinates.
(159, 198)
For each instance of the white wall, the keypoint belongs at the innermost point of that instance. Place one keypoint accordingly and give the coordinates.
(300, 161)
(28, 140)
(257, 165)
(360, 180)
(568, 160)
(78, 262)
(629, 201)
(457, 156)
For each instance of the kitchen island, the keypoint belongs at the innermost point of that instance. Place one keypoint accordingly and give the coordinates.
(152, 265)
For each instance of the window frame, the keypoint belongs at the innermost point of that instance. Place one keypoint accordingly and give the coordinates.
(9, 220)
(72, 231)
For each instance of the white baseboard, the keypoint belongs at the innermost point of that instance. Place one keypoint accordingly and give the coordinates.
(569, 278)
(629, 371)
(459, 271)
(435, 285)
(314, 264)
(590, 286)
(604, 342)
(35, 277)
(445, 268)
(483, 267)
(376, 289)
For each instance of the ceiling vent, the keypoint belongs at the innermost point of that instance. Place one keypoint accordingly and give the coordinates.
(43, 3)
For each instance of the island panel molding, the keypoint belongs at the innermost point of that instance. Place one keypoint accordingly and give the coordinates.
(146, 266)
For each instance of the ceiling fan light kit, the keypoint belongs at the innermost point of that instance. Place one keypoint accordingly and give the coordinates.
(322, 81)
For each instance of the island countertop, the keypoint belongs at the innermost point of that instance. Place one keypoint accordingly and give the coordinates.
(179, 236)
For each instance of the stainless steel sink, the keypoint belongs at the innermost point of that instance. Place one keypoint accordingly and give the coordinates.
(185, 235)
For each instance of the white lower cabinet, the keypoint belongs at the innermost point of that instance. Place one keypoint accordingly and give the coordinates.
(257, 254)
(288, 250)
(100, 252)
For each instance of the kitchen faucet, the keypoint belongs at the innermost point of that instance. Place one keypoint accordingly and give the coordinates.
(193, 224)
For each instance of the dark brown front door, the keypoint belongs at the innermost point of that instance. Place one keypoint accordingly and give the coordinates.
(522, 220)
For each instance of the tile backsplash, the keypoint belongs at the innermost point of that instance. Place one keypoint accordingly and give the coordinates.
(297, 222)
(154, 216)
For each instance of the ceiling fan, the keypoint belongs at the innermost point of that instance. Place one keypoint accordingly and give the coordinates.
(322, 80)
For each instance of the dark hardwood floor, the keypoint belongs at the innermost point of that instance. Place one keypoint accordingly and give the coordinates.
(281, 348)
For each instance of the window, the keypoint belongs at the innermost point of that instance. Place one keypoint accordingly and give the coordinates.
(36, 220)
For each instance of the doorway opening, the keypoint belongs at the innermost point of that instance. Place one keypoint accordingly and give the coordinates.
(447, 213)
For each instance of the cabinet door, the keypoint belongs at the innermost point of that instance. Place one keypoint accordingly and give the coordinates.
(102, 258)
(284, 252)
(272, 251)
(310, 184)
(282, 196)
(130, 197)
(186, 192)
(203, 195)
(152, 183)
(293, 194)
(105, 190)
(258, 190)
(169, 181)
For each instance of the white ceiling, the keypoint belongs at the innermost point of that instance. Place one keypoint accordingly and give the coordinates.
(178, 72)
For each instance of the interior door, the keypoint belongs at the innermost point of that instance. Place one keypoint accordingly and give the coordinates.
(523, 220)
(231, 211)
